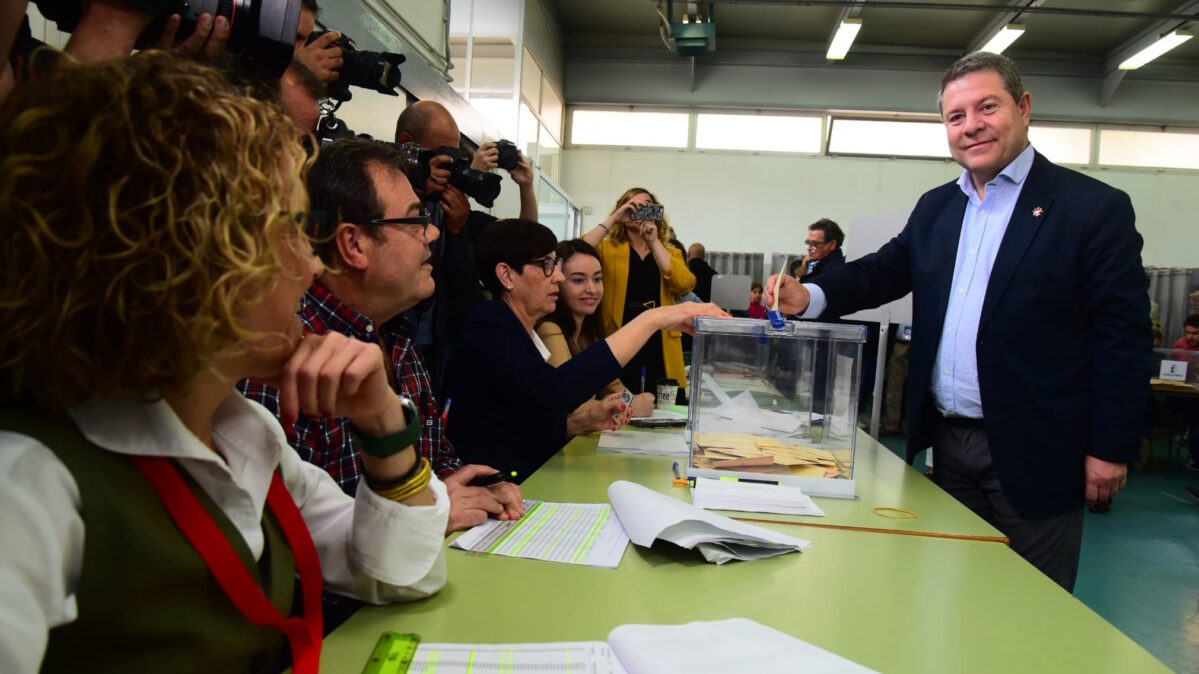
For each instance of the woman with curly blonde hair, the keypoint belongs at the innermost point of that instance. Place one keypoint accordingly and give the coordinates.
(155, 519)
(641, 271)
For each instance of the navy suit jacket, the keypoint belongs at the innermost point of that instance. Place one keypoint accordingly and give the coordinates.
(509, 406)
(1064, 341)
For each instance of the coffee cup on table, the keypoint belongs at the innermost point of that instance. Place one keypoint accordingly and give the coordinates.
(666, 391)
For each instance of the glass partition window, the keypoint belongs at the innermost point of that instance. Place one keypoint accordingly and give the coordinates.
(550, 154)
(551, 109)
(526, 133)
(1155, 149)
(891, 138)
(1062, 145)
(530, 80)
(499, 110)
(758, 133)
(492, 63)
(629, 128)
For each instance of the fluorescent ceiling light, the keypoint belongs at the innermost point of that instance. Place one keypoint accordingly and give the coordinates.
(1163, 45)
(1004, 38)
(847, 31)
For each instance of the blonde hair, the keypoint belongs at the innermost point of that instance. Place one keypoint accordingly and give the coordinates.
(618, 233)
(146, 201)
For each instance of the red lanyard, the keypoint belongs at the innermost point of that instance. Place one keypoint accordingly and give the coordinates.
(303, 634)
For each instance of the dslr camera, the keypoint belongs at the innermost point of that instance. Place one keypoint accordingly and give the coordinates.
(375, 70)
(482, 186)
(509, 155)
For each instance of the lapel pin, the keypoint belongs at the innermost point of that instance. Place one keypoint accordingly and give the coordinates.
(1036, 212)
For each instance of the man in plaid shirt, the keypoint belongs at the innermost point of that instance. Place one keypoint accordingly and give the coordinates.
(377, 246)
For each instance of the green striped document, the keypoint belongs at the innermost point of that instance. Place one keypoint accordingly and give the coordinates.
(571, 533)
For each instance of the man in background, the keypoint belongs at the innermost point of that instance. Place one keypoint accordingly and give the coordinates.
(1190, 337)
(430, 125)
(825, 241)
(376, 247)
(702, 270)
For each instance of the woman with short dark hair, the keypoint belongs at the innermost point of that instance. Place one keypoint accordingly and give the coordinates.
(510, 407)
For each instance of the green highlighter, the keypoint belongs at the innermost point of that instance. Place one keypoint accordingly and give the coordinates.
(393, 654)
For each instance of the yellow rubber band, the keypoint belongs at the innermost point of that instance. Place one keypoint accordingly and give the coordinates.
(899, 513)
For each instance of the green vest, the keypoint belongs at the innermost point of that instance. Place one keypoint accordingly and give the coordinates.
(147, 602)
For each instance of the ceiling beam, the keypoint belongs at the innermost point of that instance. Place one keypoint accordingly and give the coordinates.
(1003, 18)
(1113, 76)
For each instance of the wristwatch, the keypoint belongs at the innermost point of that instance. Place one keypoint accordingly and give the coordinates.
(386, 445)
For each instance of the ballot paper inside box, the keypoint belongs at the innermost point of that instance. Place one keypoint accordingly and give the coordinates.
(775, 404)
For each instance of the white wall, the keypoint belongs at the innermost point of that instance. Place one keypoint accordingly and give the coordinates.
(761, 203)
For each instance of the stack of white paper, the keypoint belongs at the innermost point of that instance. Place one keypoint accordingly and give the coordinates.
(736, 645)
(643, 442)
(647, 516)
(752, 497)
(716, 647)
(741, 414)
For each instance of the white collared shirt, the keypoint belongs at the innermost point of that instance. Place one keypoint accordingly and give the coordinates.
(370, 548)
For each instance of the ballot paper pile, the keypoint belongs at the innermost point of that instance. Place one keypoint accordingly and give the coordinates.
(648, 516)
(712, 494)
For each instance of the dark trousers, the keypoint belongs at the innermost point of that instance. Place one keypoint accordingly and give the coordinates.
(964, 469)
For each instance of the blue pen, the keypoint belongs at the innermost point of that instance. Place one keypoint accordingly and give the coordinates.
(643, 379)
(679, 480)
(445, 413)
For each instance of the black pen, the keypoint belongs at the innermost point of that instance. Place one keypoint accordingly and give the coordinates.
(494, 478)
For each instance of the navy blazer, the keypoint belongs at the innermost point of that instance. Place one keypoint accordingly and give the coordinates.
(509, 406)
(1064, 341)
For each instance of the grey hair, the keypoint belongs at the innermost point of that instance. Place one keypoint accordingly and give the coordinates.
(983, 60)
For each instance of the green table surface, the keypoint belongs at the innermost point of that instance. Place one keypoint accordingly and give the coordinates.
(881, 479)
(893, 603)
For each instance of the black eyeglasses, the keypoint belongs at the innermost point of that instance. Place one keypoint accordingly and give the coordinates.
(548, 264)
(316, 223)
(813, 244)
(421, 221)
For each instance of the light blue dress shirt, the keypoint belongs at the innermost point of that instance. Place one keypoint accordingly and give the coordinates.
(955, 370)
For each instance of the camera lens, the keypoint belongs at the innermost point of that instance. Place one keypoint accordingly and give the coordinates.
(261, 32)
(484, 187)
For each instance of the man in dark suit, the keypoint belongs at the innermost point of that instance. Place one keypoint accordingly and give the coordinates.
(1031, 354)
(825, 243)
(702, 270)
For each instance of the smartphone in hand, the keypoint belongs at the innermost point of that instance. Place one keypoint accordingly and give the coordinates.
(647, 213)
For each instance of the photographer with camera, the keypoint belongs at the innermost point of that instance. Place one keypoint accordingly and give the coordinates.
(323, 57)
(641, 272)
(459, 291)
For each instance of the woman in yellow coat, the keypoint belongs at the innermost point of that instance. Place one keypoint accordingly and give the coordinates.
(641, 271)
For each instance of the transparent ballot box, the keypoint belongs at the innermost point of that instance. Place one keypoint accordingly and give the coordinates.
(1175, 369)
(779, 405)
